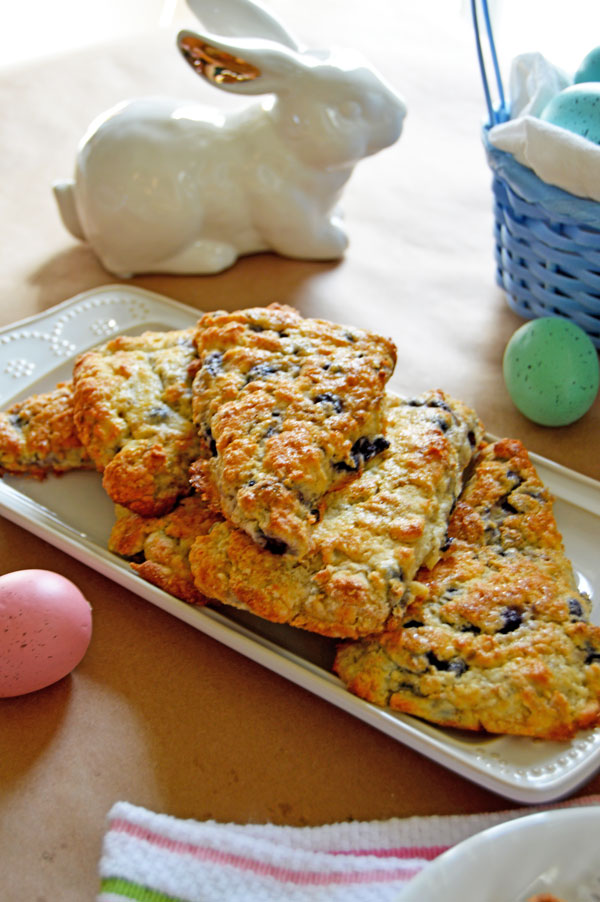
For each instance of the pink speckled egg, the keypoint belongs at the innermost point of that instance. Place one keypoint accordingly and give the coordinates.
(45, 630)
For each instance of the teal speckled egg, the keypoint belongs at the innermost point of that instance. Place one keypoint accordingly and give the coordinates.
(589, 70)
(551, 371)
(577, 109)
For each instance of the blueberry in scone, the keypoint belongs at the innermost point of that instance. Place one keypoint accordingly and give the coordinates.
(133, 414)
(38, 436)
(158, 547)
(500, 638)
(370, 536)
(287, 408)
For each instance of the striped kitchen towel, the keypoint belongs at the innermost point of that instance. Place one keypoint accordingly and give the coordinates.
(151, 857)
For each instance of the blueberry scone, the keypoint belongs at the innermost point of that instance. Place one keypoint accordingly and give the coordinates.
(287, 408)
(158, 547)
(499, 639)
(38, 436)
(133, 414)
(371, 534)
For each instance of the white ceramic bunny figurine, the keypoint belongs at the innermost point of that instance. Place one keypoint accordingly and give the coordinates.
(170, 186)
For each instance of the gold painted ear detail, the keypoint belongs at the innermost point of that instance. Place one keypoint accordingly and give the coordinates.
(216, 65)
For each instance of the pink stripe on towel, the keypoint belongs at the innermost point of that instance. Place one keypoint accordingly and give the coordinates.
(246, 863)
(426, 853)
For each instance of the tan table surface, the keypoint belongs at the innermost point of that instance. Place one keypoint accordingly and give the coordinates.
(157, 713)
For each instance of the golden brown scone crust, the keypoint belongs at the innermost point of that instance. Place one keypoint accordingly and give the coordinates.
(38, 437)
(373, 533)
(287, 408)
(133, 414)
(500, 639)
(158, 547)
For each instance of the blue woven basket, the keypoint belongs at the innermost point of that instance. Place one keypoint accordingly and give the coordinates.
(547, 240)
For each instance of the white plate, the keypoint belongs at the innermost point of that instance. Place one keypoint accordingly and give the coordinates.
(36, 353)
(553, 851)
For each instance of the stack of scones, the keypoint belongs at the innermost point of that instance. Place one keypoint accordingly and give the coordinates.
(257, 460)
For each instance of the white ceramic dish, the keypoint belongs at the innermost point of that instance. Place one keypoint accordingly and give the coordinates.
(36, 353)
(552, 851)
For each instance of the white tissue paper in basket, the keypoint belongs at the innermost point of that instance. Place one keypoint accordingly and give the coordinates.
(557, 156)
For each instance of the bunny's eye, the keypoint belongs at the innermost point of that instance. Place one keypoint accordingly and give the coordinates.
(350, 109)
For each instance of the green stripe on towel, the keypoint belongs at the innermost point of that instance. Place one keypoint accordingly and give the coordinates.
(128, 890)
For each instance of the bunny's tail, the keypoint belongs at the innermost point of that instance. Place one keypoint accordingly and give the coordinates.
(63, 192)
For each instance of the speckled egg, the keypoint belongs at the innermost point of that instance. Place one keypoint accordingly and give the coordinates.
(551, 371)
(45, 630)
(576, 109)
(589, 70)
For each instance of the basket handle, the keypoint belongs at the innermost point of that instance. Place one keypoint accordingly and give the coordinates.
(500, 113)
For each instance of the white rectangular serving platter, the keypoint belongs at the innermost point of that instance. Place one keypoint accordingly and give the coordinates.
(38, 352)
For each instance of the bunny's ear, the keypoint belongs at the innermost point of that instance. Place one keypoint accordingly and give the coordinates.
(250, 66)
(241, 18)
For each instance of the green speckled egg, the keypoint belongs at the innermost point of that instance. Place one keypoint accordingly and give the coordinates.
(577, 109)
(589, 70)
(551, 371)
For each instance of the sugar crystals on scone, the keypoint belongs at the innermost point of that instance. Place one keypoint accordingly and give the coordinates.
(38, 436)
(133, 414)
(372, 533)
(287, 408)
(500, 638)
